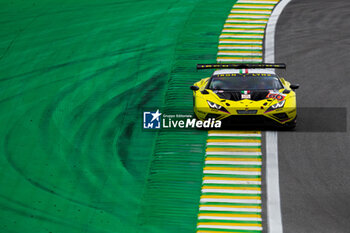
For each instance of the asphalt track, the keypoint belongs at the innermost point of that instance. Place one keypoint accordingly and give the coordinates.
(313, 38)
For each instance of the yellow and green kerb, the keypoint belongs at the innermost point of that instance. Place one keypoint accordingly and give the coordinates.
(231, 190)
(242, 37)
(230, 201)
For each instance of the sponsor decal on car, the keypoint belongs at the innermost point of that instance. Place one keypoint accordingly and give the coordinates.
(243, 75)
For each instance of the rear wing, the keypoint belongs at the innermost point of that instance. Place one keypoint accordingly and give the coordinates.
(241, 66)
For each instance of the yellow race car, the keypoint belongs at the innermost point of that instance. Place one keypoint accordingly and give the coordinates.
(245, 94)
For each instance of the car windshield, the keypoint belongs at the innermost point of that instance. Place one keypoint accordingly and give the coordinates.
(245, 82)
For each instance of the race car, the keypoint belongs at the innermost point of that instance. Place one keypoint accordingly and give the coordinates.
(246, 94)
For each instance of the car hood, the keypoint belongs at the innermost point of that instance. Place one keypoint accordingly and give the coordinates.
(237, 95)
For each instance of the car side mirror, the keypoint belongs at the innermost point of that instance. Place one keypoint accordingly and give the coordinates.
(194, 88)
(294, 86)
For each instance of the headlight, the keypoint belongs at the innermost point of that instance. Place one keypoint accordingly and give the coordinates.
(276, 106)
(216, 106)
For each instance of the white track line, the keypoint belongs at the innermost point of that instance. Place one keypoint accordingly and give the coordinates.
(231, 209)
(241, 36)
(252, 1)
(230, 182)
(230, 218)
(236, 134)
(241, 53)
(244, 5)
(234, 143)
(248, 16)
(200, 225)
(253, 31)
(274, 218)
(232, 162)
(244, 60)
(251, 11)
(259, 47)
(231, 191)
(251, 21)
(240, 42)
(249, 173)
(231, 153)
(229, 200)
(237, 48)
(245, 26)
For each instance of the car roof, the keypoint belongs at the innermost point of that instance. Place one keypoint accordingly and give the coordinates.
(251, 71)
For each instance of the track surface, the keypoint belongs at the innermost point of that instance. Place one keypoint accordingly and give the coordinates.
(313, 38)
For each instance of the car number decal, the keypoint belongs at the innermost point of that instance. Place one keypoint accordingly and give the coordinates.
(276, 95)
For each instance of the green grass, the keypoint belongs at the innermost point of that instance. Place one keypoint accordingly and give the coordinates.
(74, 78)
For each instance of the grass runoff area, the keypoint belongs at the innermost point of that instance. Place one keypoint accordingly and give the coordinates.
(74, 78)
